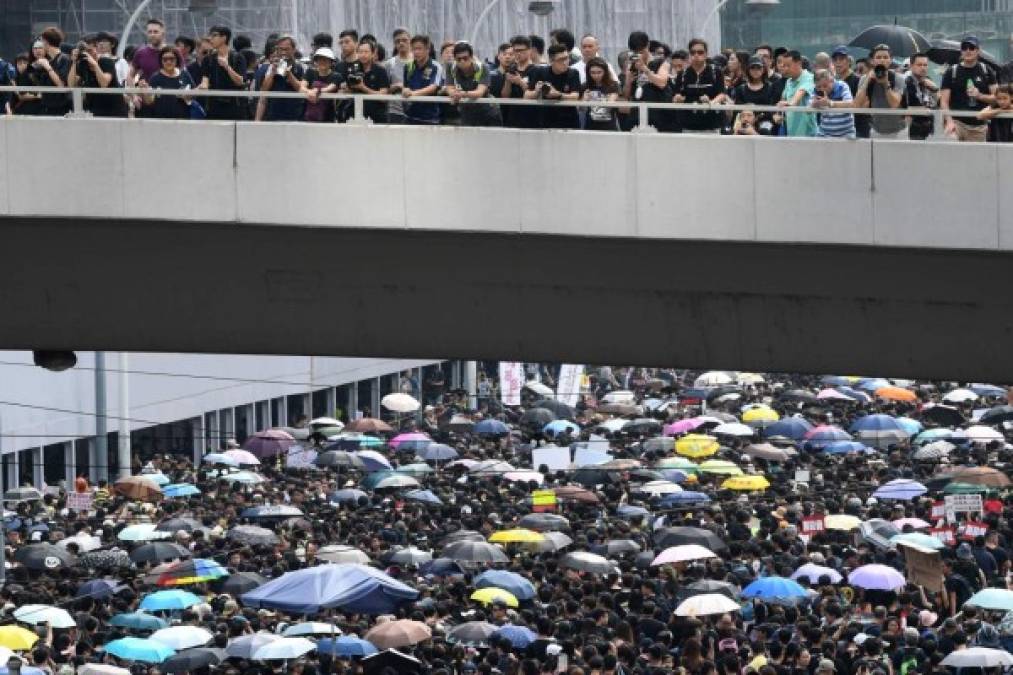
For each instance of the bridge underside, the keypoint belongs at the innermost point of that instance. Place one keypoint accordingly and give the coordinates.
(226, 288)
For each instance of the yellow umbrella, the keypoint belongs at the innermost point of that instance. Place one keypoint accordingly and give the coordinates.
(696, 445)
(841, 521)
(746, 483)
(17, 638)
(517, 535)
(721, 467)
(487, 596)
(760, 415)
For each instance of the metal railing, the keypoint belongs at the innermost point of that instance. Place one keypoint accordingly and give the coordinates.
(77, 95)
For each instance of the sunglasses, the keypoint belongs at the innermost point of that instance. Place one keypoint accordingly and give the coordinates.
(968, 48)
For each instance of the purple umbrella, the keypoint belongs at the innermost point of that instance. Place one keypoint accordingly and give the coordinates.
(270, 443)
(902, 489)
(877, 577)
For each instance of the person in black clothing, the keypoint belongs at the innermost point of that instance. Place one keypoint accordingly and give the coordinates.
(321, 78)
(558, 82)
(89, 70)
(647, 79)
(169, 77)
(600, 86)
(28, 75)
(223, 69)
(919, 93)
(365, 76)
(519, 75)
(841, 58)
(53, 71)
(700, 83)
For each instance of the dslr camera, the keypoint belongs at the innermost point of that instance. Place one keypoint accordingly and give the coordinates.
(513, 69)
(545, 89)
(354, 74)
(82, 51)
(880, 71)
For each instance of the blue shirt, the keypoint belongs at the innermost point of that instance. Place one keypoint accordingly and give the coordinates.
(419, 77)
(838, 125)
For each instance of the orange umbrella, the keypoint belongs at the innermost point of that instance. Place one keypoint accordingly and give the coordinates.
(574, 493)
(369, 425)
(138, 487)
(896, 394)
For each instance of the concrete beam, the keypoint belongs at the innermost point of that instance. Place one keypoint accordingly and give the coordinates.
(156, 286)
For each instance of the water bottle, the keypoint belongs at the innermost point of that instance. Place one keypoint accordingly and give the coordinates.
(971, 101)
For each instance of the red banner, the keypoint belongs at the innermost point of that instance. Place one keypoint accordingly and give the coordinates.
(974, 528)
(812, 524)
(944, 534)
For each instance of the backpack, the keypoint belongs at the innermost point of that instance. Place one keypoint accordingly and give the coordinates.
(965, 591)
(907, 665)
(982, 68)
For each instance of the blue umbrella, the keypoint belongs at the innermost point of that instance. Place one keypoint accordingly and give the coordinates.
(371, 460)
(929, 435)
(370, 481)
(416, 445)
(441, 567)
(169, 601)
(521, 588)
(629, 511)
(180, 490)
(348, 495)
(98, 588)
(24, 670)
(683, 498)
(844, 447)
(673, 475)
(353, 588)
(877, 422)
(873, 383)
(774, 588)
(909, 425)
(436, 452)
(346, 646)
(424, 496)
(901, 489)
(821, 437)
(519, 636)
(556, 427)
(859, 396)
(136, 649)
(138, 621)
(794, 428)
(491, 428)
(835, 380)
(987, 390)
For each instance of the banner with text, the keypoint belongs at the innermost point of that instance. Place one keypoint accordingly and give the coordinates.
(511, 379)
(568, 387)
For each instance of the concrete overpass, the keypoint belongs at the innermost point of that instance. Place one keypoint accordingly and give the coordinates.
(767, 254)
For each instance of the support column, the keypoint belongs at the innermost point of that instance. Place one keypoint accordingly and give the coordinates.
(98, 448)
(374, 395)
(332, 401)
(199, 439)
(14, 477)
(353, 401)
(38, 467)
(70, 464)
(211, 431)
(283, 412)
(471, 383)
(123, 447)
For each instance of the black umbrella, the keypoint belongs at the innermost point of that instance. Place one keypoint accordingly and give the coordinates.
(796, 395)
(536, 418)
(462, 535)
(659, 444)
(558, 408)
(242, 582)
(947, 53)
(675, 536)
(710, 586)
(105, 560)
(192, 659)
(391, 659)
(472, 633)
(44, 557)
(644, 425)
(590, 476)
(474, 552)
(22, 494)
(159, 551)
(177, 524)
(997, 415)
(545, 522)
(902, 41)
(251, 534)
(614, 547)
(944, 415)
(334, 458)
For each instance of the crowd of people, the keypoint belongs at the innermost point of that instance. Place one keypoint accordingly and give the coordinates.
(525, 67)
(701, 524)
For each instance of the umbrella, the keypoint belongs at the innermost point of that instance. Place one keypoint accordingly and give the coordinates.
(490, 467)
(173, 600)
(474, 552)
(813, 573)
(918, 539)
(720, 467)
(136, 649)
(424, 496)
(270, 511)
(896, 394)
(536, 418)
(191, 660)
(983, 475)
(517, 535)
(900, 489)
(141, 488)
(574, 493)
(556, 427)
(245, 477)
(590, 563)
(992, 598)
(514, 583)
(36, 614)
(916, 523)
(658, 488)
(395, 481)
(611, 426)
(462, 535)
(371, 460)
(680, 427)
(704, 586)
(242, 582)
(350, 495)
(629, 511)
(766, 451)
(877, 577)
(683, 553)
(283, 649)
(138, 621)
(545, 522)
(391, 661)
(524, 476)
(22, 494)
(933, 451)
(95, 669)
(409, 556)
(978, 657)
(746, 483)
(401, 633)
(441, 567)
(43, 557)
(614, 547)
(489, 595)
(558, 408)
(369, 425)
(341, 553)
(794, 428)
(680, 463)
(194, 571)
(774, 588)
(554, 541)
(832, 395)
(706, 604)
(685, 498)
(83, 541)
(219, 458)
(143, 532)
(17, 638)
(252, 535)
(539, 388)
(761, 416)
(947, 53)
(733, 429)
(346, 646)
(981, 434)
(997, 415)
(410, 437)
(842, 522)
(674, 536)
(696, 445)
(182, 637)
(714, 378)
(98, 588)
(159, 551)
(880, 431)
(334, 458)
(416, 469)
(436, 452)
(519, 636)
(350, 587)
(642, 425)
(823, 435)
(399, 403)
(491, 427)
(270, 443)
(620, 396)
(246, 646)
(178, 490)
(242, 457)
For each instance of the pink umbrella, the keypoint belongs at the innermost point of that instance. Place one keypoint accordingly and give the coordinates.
(412, 436)
(242, 456)
(833, 395)
(916, 523)
(681, 427)
(269, 443)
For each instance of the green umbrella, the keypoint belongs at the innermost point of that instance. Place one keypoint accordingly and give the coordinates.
(964, 489)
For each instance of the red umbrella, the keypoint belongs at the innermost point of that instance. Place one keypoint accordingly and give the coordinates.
(269, 443)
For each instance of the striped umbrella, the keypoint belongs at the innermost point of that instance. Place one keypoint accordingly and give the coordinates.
(195, 571)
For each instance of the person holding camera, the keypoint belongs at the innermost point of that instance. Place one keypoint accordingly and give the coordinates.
(882, 88)
(515, 82)
(281, 73)
(94, 72)
(365, 76)
(558, 82)
(833, 93)
(646, 79)
(223, 69)
(53, 69)
(28, 74)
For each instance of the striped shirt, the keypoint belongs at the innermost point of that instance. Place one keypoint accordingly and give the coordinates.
(838, 125)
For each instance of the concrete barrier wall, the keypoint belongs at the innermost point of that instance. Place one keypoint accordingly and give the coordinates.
(886, 193)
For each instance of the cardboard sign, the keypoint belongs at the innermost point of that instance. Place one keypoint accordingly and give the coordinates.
(944, 534)
(554, 457)
(80, 501)
(924, 566)
(974, 528)
(813, 524)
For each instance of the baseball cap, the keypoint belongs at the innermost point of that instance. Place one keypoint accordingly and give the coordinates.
(326, 53)
(970, 40)
(840, 50)
(827, 664)
(755, 61)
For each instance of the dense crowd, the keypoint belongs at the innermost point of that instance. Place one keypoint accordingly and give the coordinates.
(704, 524)
(567, 69)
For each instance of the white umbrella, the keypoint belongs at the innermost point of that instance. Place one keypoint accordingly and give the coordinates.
(326, 422)
(707, 604)
(36, 614)
(814, 572)
(877, 577)
(85, 543)
(242, 456)
(142, 532)
(620, 397)
(90, 668)
(245, 646)
(612, 426)
(960, 396)
(659, 487)
(714, 378)
(489, 467)
(733, 429)
(182, 637)
(524, 476)
(981, 434)
(341, 553)
(284, 648)
(683, 553)
(539, 388)
(311, 628)
(978, 657)
(399, 403)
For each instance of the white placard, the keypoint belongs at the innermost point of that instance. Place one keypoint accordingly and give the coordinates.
(554, 457)
(961, 504)
(587, 456)
(300, 457)
(802, 477)
(511, 379)
(568, 387)
(80, 501)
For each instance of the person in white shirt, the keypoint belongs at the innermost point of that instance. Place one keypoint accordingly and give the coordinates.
(588, 51)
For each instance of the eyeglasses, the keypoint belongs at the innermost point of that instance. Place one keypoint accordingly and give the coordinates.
(697, 52)
(968, 48)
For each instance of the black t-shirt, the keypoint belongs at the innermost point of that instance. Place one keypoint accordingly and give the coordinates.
(375, 78)
(693, 85)
(862, 122)
(568, 82)
(56, 102)
(1000, 131)
(218, 78)
(522, 116)
(598, 117)
(743, 94)
(955, 79)
(30, 78)
(102, 105)
(170, 106)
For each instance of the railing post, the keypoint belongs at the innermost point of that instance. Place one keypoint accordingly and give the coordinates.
(77, 104)
(938, 125)
(358, 111)
(643, 124)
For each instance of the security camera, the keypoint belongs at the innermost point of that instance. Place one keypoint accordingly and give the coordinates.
(54, 360)
(543, 7)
